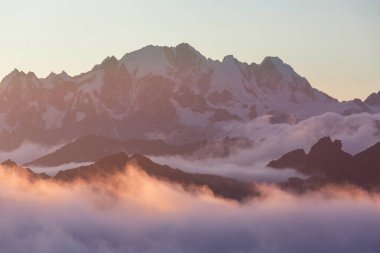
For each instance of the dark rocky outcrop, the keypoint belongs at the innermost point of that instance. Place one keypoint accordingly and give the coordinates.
(328, 163)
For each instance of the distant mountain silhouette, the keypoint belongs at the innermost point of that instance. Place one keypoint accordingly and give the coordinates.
(88, 148)
(328, 163)
(91, 148)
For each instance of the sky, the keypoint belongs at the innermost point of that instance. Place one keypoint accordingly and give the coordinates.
(335, 44)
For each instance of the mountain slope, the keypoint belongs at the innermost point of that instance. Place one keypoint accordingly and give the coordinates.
(171, 93)
(86, 149)
(91, 148)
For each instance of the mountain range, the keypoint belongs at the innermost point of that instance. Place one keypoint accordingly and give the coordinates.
(170, 93)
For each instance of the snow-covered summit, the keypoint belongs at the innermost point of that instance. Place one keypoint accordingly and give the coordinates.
(165, 92)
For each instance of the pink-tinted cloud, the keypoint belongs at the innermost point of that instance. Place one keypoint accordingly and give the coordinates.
(135, 213)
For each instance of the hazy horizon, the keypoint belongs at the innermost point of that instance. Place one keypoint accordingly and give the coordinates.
(334, 44)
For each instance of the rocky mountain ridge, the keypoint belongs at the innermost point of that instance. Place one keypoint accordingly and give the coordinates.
(170, 93)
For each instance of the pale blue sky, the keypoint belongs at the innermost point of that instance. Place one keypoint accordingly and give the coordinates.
(335, 44)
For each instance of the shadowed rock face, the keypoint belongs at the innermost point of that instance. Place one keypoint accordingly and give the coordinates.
(296, 158)
(368, 162)
(327, 162)
(220, 186)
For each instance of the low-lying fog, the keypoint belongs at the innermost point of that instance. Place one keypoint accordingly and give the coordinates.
(228, 167)
(133, 212)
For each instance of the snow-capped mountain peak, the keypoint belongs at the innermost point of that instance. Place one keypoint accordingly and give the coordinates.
(150, 60)
(174, 93)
